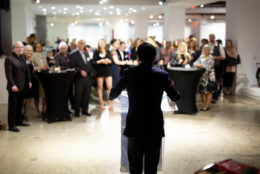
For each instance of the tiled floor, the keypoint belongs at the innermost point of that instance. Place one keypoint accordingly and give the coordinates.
(91, 145)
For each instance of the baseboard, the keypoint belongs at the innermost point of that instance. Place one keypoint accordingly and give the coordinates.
(252, 92)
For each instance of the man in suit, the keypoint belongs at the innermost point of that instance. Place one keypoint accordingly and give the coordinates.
(145, 85)
(79, 60)
(122, 56)
(17, 75)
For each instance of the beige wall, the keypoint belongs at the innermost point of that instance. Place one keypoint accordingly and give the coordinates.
(3, 91)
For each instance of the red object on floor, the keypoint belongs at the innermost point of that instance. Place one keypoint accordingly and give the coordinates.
(229, 166)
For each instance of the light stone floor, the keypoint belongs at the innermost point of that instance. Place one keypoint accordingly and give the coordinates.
(91, 145)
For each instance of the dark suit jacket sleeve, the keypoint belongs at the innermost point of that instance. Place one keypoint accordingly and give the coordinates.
(73, 61)
(172, 93)
(57, 60)
(116, 91)
(9, 72)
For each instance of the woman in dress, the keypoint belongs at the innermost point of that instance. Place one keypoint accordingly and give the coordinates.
(103, 60)
(208, 78)
(40, 63)
(28, 92)
(230, 71)
(193, 50)
(181, 57)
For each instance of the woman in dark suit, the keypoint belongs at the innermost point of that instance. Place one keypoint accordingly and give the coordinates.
(103, 60)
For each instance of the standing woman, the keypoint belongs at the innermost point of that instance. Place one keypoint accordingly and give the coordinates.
(138, 42)
(158, 60)
(102, 58)
(230, 71)
(40, 63)
(193, 50)
(29, 92)
(181, 57)
(206, 61)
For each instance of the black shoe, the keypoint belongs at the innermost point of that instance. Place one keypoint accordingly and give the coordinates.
(86, 113)
(14, 129)
(76, 114)
(23, 124)
(70, 112)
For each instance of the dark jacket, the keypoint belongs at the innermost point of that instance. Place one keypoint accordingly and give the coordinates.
(62, 61)
(17, 72)
(122, 58)
(145, 85)
(76, 61)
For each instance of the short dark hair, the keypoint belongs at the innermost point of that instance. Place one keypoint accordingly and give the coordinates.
(146, 52)
(121, 42)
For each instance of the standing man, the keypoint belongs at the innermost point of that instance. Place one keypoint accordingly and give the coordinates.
(79, 60)
(218, 53)
(17, 75)
(145, 85)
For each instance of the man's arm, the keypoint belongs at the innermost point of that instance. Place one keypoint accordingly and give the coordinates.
(172, 93)
(116, 91)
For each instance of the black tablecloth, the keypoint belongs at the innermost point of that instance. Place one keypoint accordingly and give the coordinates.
(186, 82)
(56, 86)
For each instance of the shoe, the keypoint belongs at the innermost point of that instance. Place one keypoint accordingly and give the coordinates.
(76, 114)
(70, 112)
(202, 109)
(23, 124)
(14, 129)
(86, 113)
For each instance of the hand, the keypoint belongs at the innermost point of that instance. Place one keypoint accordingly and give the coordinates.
(30, 85)
(185, 62)
(83, 73)
(15, 89)
(44, 68)
(161, 62)
(180, 61)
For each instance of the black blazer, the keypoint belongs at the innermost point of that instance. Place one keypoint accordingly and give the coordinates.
(17, 72)
(122, 58)
(76, 61)
(61, 61)
(145, 85)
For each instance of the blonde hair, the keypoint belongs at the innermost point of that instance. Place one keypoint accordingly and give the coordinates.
(186, 54)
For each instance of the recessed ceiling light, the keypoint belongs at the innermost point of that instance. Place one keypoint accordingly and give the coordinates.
(100, 24)
(212, 17)
(104, 8)
(77, 6)
(65, 8)
(52, 24)
(37, 1)
(130, 8)
(77, 13)
(107, 22)
(189, 20)
(101, 2)
(64, 12)
(111, 13)
(44, 9)
(160, 3)
(151, 17)
(134, 10)
(160, 16)
(111, 7)
(143, 8)
(53, 8)
(201, 5)
(118, 13)
(72, 24)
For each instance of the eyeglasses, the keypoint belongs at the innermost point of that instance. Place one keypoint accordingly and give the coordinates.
(18, 47)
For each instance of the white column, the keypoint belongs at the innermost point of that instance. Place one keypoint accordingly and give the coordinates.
(141, 26)
(174, 22)
(243, 28)
(23, 19)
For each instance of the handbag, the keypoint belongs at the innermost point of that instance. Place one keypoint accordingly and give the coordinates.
(231, 61)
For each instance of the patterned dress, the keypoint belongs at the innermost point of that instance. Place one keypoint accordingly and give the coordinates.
(208, 75)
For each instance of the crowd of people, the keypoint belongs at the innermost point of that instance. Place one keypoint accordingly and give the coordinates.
(106, 63)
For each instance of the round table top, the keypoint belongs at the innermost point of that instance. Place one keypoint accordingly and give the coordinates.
(185, 69)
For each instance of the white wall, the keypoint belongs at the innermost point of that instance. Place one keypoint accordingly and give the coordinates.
(218, 28)
(3, 84)
(156, 31)
(23, 20)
